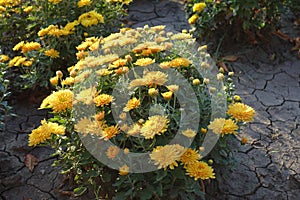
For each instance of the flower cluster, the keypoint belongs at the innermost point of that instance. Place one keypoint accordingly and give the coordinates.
(52, 30)
(140, 92)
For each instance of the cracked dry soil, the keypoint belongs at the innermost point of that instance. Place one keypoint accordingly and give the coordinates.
(267, 77)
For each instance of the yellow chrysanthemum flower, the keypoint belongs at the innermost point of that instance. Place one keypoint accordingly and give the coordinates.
(179, 62)
(241, 112)
(86, 126)
(199, 7)
(155, 125)
(29, 46)
(3, 58)
(17, 61)
(223, 126)
(2, 9)
(44, 132)
(200, 170)
(112, 152)
(52, 53)
(82, 3)
(28, 9)
(124, 170)
(193, 19)
(173, 88)
(131, 104)
(18, 46)
(59, 101)
(167, 156)
(144, 62)
(110, 132)
(189, 156)
(167, 95)
(54, 80)
(71, 25)
(153, 92)
(189, 133)
(134, 129)
(155, 78)
(90, 18)
(103, 99)
(86, 96)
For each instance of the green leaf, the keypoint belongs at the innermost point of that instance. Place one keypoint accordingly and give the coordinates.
(146, 193)
(79, 191)
(106, 177)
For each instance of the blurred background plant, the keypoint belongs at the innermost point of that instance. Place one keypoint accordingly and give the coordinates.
(138, 63)
(238, 18)
(41, 36)
(4, 92)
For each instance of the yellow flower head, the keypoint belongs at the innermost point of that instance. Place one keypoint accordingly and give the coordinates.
(134, 129)
(179, 62)
(82, 3)
(30, 46)
(112, 152)
(167, 156)
(153, 92)
(28, 9)
(241, 112)
(189, 133)
(3, 58)
(124, 170)
(173, 88)
(189, 156)
(110, 132)
(85, 126)
(193, 19)
(54, 80)
(167, 95)
(155, 125)
(18, 46)
(131, 104)
(52, 53)
(43, 132)
(90, 18)
(103, 99)
(199, 7)
(144, 61)
(200, 170)
(59, 101)
(155, 78)
(86, 96)
(223, 126)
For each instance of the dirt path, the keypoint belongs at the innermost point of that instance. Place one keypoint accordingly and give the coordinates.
(268, 167)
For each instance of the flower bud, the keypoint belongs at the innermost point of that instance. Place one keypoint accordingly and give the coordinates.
(59, 74)
(196, 81)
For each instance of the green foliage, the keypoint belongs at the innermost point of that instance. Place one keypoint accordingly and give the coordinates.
(234, 16)
(4, 94)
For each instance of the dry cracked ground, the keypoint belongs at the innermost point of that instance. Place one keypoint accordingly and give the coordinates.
(268, 167)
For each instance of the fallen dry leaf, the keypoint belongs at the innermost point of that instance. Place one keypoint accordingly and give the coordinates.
(30, 161)
(230, 58)
(297, 44)
(282, 35)
(223, 65)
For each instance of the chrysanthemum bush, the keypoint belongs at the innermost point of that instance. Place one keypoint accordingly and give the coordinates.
(143, 115)
(41, 36)
(234, 18)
